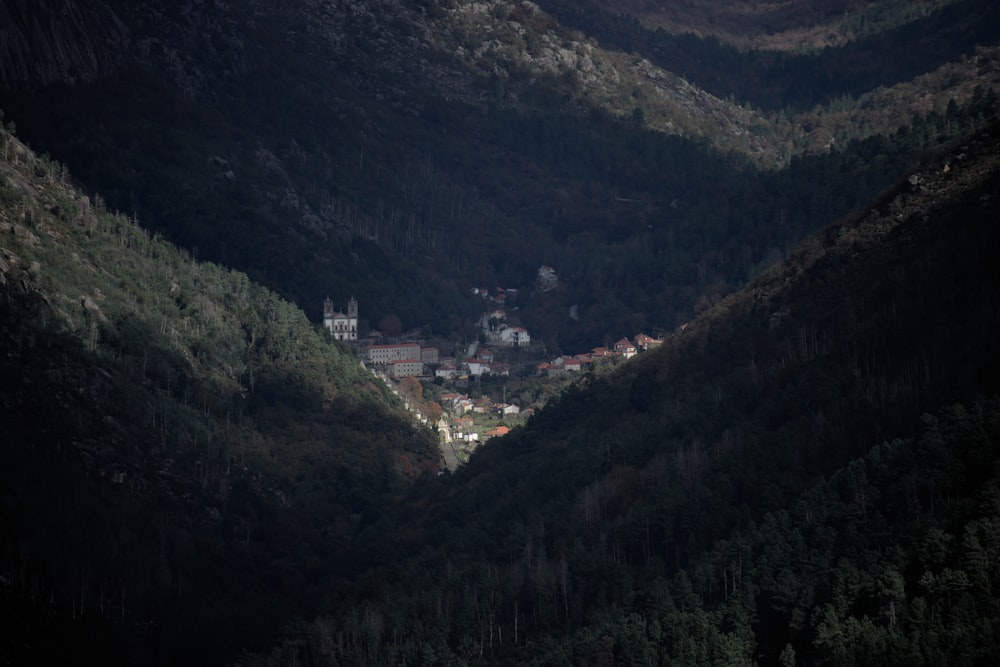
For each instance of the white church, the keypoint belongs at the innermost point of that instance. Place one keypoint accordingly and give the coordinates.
(342, 326)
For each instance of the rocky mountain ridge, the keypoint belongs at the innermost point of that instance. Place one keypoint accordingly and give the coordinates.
(392, 52)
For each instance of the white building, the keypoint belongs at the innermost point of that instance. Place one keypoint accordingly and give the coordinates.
(342, 326)
(514, 337)
(386, 354)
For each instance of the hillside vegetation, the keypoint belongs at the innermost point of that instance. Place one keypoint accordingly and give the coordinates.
(184, 451)
(807, 472)
(780, 25)
(406, 152)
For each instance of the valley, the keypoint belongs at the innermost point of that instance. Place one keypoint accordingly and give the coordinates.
(452, 332)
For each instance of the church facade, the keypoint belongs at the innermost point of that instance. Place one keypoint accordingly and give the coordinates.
(343, 326)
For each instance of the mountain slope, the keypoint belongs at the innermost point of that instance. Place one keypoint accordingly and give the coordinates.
(180, 446)
(780, 25)
(638, 510)
(405, 152)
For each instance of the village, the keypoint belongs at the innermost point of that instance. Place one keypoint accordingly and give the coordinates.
(473, 397)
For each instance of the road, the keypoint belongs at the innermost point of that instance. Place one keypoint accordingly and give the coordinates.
(447, 451)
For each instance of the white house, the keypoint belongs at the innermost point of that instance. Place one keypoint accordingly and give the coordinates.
(514, 337)
(448, 370)
(477, 366)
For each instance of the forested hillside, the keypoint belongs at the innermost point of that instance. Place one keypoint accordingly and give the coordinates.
(405, 152)
(184, 452)
(807, 472)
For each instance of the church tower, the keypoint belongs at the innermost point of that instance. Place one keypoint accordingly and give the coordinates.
(343, 327)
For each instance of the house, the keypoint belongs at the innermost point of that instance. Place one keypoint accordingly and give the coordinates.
(507, 409)
(570, 364)
(448, 400)
(463, 405)
(429, 355)
(625, 348)
(644, 342)
(477, 367)
(342, 326)
(447, 370)
(482, 405)
(500, 369)
(600, 352)
(549, 369)
(456, 404)
(461, 426)
(499, 430)
(514, 337)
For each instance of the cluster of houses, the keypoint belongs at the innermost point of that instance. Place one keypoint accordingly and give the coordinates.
(399, 360)
(413, 359)
(479, 364)
(462, 409)
(494, 324)
(578, 362)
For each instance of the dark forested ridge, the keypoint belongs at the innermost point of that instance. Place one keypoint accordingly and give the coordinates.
(406, 152)
(778, 79)
(184, 452)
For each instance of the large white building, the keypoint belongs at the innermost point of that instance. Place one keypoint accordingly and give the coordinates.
(342, 326)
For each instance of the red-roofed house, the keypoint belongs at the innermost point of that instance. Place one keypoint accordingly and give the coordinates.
(625, 348)
(498, 368)
(644, 342)
(570, 363)
(499, 430)
(447, 370)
